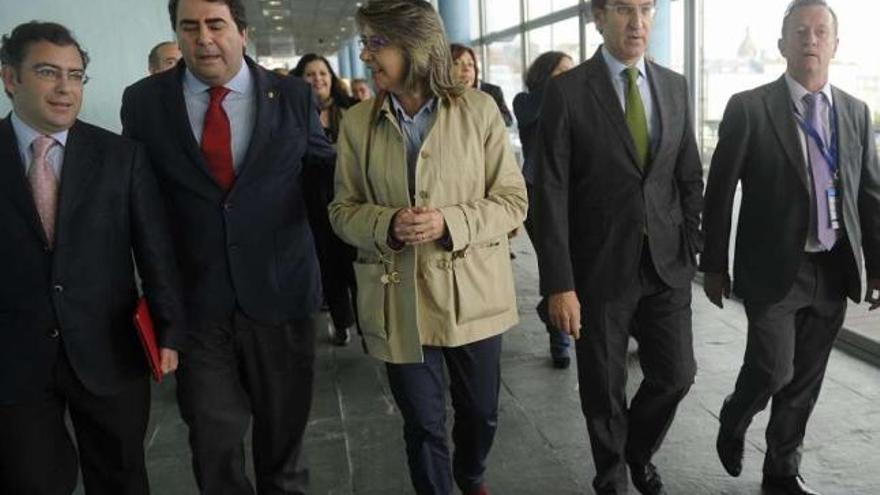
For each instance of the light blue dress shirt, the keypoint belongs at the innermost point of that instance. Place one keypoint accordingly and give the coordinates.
(240, 106)
(415, 130)
(620, 82)
(25, 135)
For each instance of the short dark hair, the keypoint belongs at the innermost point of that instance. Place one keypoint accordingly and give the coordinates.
(236, 8)
(800, 4)
(153, 57)
(600, 4)
(541, 69)
(458, 50)
(16, 44)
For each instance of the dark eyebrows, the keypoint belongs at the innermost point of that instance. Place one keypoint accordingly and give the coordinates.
(43, 65)
(214, 21)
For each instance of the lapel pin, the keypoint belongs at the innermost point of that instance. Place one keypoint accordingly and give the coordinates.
(271, 94)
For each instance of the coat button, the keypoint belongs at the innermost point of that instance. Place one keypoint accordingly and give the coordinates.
(53, 334)
(424, 194)
(425, 154)
(227, 206)
(58, 288)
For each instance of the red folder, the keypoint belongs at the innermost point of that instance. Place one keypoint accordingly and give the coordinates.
(144, 324)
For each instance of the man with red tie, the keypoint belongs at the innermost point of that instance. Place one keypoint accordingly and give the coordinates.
(228, 140)
(75, 202)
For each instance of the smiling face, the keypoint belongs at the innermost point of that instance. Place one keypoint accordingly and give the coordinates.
(465, 69)
(387, 65)
(45, 104)
(212, 45)
(317, 74)
(626, 28)
(809, 42)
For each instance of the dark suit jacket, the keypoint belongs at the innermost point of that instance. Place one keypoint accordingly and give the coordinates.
(594, 204)
(81, 294)
(759, 146)
(498, 95)
(252, 248)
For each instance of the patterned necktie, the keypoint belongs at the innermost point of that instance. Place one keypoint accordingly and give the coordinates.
(217, 140)
(820, 170)
(635, 116)
(44, 185)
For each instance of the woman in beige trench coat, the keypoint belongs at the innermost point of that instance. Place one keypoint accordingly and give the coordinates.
(427, 190)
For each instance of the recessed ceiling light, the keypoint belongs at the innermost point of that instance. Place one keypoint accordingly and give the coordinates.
(277, 17)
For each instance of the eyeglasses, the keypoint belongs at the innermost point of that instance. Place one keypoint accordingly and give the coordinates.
(625, 10)
(48, 73)
(374, 43)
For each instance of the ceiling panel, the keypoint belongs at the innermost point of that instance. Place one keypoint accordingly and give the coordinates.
(286, 28)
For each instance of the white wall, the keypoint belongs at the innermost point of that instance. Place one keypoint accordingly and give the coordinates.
(118, 35)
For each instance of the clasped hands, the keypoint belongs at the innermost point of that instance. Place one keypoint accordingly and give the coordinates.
(417, 225)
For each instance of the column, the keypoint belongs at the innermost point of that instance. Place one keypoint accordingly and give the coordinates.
(344, 61)
(661, 34)
(456, 16)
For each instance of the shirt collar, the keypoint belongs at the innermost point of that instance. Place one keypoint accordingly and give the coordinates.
(615, 67)
(798, 91)
(241, 83)
(426, 109)
(26, 134)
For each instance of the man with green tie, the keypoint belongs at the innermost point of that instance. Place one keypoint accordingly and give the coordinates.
(618, 200)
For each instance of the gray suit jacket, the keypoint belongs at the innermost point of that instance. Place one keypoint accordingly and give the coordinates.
(759, 146)
(594, 204)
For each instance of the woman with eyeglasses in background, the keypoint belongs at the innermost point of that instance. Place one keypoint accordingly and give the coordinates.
(427, 189)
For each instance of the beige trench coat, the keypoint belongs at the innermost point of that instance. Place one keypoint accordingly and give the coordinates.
(427, 295)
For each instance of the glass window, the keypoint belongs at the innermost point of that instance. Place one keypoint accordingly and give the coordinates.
(501, 14)
(539, 8)
(503, 66)
(592, 39)
(561, 36)
(475, 18)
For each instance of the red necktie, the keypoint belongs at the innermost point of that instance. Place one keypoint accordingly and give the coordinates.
(217, 140)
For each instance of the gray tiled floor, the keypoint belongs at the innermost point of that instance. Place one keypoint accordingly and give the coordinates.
(355, 446)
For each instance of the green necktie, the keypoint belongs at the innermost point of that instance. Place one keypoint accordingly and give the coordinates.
(635, 116)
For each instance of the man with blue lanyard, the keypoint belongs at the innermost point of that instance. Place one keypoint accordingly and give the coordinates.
(805, 155)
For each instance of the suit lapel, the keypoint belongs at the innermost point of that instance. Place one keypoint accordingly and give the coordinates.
(14, 180)
(266, 98)
(600, 83)
(845, 133)
(778, 102)
(175, 108)
(80, 166)
(663, 102)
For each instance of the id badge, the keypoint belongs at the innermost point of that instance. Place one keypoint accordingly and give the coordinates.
(833, 207)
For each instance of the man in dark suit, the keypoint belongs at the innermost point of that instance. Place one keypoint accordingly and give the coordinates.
(804, 153)
(618, 199)
(76, 202)
(227, 139)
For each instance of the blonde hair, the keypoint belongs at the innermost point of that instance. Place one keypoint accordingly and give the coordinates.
(416, 29)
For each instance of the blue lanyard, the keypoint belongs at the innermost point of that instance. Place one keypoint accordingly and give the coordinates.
(830, 153)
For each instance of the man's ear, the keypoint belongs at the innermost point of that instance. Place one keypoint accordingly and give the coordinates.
(10, 80)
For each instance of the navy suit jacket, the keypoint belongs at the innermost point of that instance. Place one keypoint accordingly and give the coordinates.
(250, 249)
(80, 295)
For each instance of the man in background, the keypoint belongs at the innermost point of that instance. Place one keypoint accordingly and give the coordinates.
(163, 57)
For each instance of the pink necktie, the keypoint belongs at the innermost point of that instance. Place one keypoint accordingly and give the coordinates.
(44, 184)
(819, 168)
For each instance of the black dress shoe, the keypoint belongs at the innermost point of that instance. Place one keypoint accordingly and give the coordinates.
(786, 485)
(561, 363)
(646, 479)
(730, 451)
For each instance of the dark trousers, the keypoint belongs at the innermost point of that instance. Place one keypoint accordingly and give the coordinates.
(788, 346)
(242, 370)
(420, 392)
(659, 318)
(38, 457)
